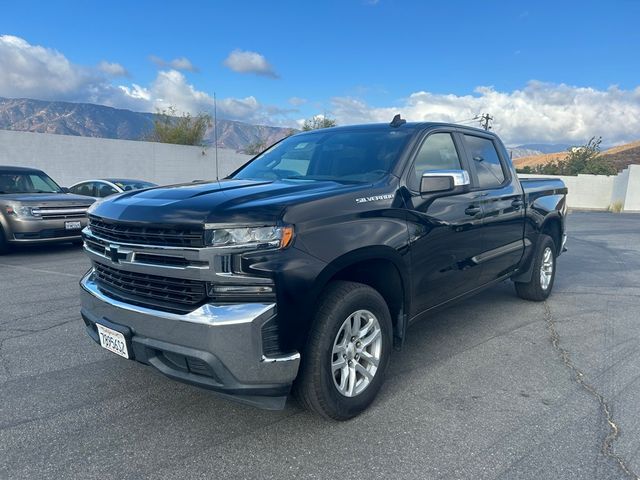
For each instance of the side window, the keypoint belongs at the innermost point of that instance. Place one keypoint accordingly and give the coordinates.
(437, 152)
(104, 190)
(486, 161)
(85, 188)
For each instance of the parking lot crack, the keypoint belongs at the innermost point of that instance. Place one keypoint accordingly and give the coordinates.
(579, 376)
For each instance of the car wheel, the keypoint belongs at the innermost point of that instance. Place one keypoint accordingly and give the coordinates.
(544, 272)
(4, 245)
(347, 352)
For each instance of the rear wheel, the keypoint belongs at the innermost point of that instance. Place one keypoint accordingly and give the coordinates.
(347, 352)
(544, 272)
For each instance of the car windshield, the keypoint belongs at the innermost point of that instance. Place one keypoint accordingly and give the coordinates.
(27, 182)
(126, 185)
(338, 155)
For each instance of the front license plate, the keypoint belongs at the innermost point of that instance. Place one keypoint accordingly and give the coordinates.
(112, 341)
(72, 225)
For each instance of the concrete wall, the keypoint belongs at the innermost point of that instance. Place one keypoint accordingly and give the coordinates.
(600, 192)
(69, 159)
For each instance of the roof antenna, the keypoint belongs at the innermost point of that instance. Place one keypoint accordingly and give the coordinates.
(397, 121)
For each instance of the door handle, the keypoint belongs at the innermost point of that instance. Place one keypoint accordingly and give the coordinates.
(517, 204)
(472, 210)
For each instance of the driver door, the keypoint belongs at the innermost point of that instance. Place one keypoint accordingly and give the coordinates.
(445, 230)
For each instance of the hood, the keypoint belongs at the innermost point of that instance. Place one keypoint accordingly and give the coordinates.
(47, 199)
(226, 201)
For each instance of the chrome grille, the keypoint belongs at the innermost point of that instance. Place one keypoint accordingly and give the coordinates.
(59, 213)
(150, 290)
(142, 235)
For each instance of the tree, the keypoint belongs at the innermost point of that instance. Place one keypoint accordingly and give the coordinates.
(254, 148)
(318, 121)
(168, 127)
(585, 159)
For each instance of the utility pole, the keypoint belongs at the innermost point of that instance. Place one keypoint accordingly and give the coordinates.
(215, 132)
(485, 120)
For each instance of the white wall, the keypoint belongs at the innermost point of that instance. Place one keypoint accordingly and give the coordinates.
(69, 159)
(600, 192)
(632, 194)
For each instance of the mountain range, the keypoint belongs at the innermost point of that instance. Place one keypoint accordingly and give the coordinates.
(90, 120)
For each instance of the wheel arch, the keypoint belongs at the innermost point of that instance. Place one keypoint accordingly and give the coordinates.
(381, 268)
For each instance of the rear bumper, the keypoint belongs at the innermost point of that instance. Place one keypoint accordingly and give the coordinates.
(217, 346)
(42, 231)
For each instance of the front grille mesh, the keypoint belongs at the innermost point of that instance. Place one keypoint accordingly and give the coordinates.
(151, 290)
(135, 234)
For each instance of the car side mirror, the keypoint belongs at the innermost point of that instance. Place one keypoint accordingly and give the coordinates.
(444, 181)
(65, 189)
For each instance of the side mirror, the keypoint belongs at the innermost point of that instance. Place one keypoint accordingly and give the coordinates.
(444, 181)
(65, 189)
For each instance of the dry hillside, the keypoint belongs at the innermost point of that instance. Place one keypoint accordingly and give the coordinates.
(621, 156)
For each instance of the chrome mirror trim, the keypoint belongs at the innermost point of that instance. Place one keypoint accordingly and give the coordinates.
(460, 177)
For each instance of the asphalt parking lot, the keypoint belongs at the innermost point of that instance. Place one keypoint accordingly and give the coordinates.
(493, 388)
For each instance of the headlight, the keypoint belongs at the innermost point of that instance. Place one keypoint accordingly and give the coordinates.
(21, 211)
(255, 237)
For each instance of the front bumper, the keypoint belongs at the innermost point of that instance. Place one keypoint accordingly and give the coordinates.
(43, 230)
(217, 346)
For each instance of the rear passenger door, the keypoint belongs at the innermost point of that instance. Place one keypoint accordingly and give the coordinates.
(500, 196)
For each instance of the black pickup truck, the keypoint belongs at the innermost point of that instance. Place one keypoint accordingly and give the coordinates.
(304, 268)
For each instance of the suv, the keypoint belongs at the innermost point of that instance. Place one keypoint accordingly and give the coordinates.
(306, 266)
(35, 209)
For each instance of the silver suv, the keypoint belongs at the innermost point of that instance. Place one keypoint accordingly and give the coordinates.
(35, 209)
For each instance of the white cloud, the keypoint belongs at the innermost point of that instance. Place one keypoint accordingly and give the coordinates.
(297, 101)
(244, 61)
(541, 112)
(180, 63)
(113, 69)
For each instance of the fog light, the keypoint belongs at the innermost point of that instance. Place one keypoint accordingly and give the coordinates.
(239, 290)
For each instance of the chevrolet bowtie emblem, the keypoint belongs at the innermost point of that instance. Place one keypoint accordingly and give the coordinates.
(113, 252)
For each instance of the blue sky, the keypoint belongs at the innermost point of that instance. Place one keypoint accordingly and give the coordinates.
(356, 60)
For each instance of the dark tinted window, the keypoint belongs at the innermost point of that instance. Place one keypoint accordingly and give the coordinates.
(339, 155)
(104, 190)
(86, 188)
(127, 185)
(438, 152)
(486, 160)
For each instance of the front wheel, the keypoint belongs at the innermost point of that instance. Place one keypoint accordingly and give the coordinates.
(4, 245)
(544, 272)
(347, 352)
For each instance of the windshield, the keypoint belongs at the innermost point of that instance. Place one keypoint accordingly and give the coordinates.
(27, 182)
(126, 185)
(343, 156)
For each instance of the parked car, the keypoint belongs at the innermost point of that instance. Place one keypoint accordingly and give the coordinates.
(104, 187)
(306, 266)
(35, 209)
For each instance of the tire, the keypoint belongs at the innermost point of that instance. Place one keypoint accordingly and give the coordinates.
(544, 272)
(4, 245)
(337, 388)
